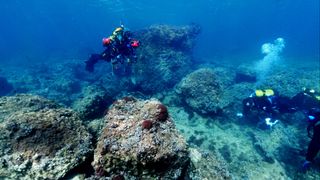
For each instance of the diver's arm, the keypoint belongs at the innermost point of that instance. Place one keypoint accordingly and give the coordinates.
(309, 128)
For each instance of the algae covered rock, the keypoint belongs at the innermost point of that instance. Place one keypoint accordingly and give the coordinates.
(40, 142)
(204, 90)
(180, 38)
(94, 102)
(140, 141)
(24, 103)
(287, 77)
(205, 165)
(164, 57)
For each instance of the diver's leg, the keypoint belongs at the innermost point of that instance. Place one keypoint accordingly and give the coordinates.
(114, 64)
(313, 150)
(94, 58)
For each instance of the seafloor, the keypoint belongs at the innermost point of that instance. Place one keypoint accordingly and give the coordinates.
(110, 127)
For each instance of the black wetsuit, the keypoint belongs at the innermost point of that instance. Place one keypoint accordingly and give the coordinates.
(308, 103)
(314, 145)
(305, 101)
(271, 105)
(115, 52)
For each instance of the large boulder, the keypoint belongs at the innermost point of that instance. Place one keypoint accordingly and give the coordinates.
(24, 103)
(163, 36)
(93, 103)
(139, 141)
(40, 140)
(165, 56)
(205, 90)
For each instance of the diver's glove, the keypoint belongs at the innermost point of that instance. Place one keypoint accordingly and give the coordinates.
(239, 114)
(270, 123)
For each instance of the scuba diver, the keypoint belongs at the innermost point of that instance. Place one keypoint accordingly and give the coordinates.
(306, 100)
(313, 117)
(267, 105)
(119, 48)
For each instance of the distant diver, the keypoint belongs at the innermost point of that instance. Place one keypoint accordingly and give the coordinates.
(120, 48)
(268, 105)
(308, 101)
(313, 116)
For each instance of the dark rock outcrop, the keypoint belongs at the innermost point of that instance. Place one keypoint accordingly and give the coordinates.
(40, 140)
(94, 103)
(165, 56)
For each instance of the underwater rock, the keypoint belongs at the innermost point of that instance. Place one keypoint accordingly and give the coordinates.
(196, 140)
(24, 103)
(280, 78)
(139, 141)
(5, 86)
(40, 140)
(204, 89)
(51, 80)
(165, 56)
(179, 38)
(283, 78)
(245, 74)
(205, 165)
(94, 103)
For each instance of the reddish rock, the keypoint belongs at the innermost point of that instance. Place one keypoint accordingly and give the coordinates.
(146, 124)
(134, 153)
(163, 112)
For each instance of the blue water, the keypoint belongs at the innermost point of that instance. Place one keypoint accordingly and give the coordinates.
(63, 34)
(37, 30)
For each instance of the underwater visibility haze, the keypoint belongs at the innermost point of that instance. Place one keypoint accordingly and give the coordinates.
(120, 89)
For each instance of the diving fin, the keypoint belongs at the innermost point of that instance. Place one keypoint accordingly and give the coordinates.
(94, 58)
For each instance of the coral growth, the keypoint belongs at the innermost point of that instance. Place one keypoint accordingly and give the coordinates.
(204, 89)
(39, 142)
(96, 99)
(125, 148)
(164, 57)
(128, 98)
(205, 165)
